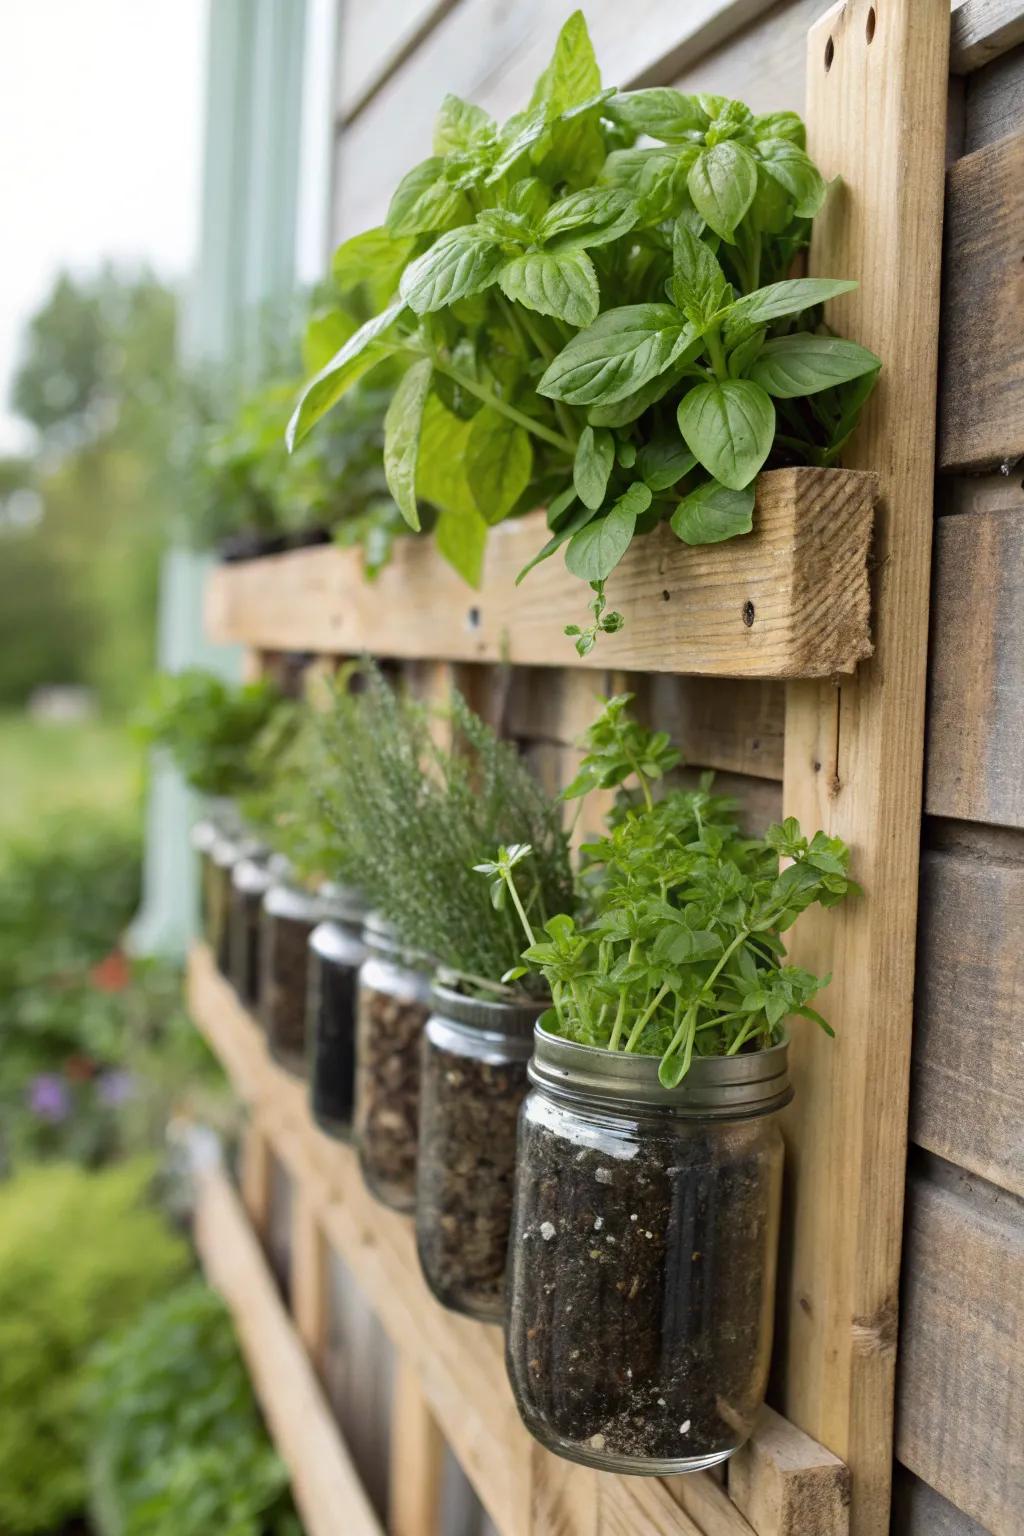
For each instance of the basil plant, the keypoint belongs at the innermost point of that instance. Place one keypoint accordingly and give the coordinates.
(597, 323)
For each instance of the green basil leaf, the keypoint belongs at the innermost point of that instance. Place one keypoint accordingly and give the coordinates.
(625, 454)
(596, 550)
(631, 406)
(572, 77)
(698, 282)
(663, 462)
(780, 125)
(531, 198)
(373, 258)
(327, 330)
(793, 169)
(722, 183)
(499, 463)
(772, 209)
(786, 298)
(803, 364)
(462, 127)
(656, 178)
(519, 134)
(743, 353)
(441, 467)
(712, 513)
(462, 262)
(580, 518)
(729, 427)
(461, 537)
(594, 217)
(663, 113)
(559, 505)
(559, 283)
(595, 455)
(402, 425)
(360, 353)
(425, 203)
(614, 357)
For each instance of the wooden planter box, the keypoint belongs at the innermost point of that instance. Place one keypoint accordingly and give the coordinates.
(791, 599)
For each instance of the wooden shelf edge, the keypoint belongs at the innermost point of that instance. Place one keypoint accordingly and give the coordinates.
(325, 1484)
(789, 600)
(460, 1364)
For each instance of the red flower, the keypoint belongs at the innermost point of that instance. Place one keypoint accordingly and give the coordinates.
(112, 974)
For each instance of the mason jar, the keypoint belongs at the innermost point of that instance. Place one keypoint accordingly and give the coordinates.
(251, 878)
(202, 837)
(392, 1008)
(473, 1082)
(288, 916)
(224, 853)
(642, 1255)
(336, 952)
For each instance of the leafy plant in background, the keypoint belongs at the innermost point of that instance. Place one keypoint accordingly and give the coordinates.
(286, 812)
(80, 1255)
(178, 1447)
(222, 736)
(414, 818)
(681, 953)
(601, 326)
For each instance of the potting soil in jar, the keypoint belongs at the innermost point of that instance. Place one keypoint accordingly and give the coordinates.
(475, 1055)
(642, 1255)
(336, 952)
(250, 881)
(288, 917)
(392, 1009)
(224, 854)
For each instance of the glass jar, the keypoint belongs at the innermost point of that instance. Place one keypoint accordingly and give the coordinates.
(288, 916)
(642, 1255)
(473, 1082)
(202, 838)
(250, 880)
(392, 1008)
(224, 853)
(336, 952)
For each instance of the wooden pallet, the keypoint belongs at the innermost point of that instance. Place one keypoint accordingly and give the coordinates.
(452, 1385)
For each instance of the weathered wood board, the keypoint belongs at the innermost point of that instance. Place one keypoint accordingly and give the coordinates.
(994, 101)
(919, 1511)
(982, 30)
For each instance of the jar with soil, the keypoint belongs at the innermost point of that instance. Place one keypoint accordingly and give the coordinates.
(202, 838)
(642, 1255)
(250, 880)
(224, 854)
(336, 952)
(287, 919)
(392, 1008)
(473, 1082)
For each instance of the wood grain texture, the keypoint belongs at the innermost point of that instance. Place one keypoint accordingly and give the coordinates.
(960, 1423)
(417, 1461)
(976, 669)
(783, 1482)
(764, 65)
(967, 1098)
(853, 753)
(308, 1288)
(254, 1173)
(375, 41)
(981, 400)
(788, 600)
(982, 30)
(994, 102)
(918, 1510)
(324, 1482)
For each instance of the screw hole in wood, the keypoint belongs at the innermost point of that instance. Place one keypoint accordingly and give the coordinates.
(473, 618)
(748, 613)
(830, 53)
(869, 26)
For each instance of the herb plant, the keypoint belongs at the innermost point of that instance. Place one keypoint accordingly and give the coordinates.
(681, 952)
(219, 735)
(414, 818)
(599, 325)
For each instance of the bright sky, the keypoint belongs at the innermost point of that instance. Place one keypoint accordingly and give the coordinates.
(101, 123)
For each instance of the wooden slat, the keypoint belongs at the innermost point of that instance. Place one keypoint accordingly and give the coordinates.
(967, 1098)
(765, 65)
(254, 1173)
(417, 1461)
(308, 1288)
(788, 600)
(982, 30)
(853, 759)
(324, 1482)
(708, 1504)
(994, 101)
(976, 672)
(375, 40)
(919, 1511)
(961, 1385)
(786, 1484)
(981, 402)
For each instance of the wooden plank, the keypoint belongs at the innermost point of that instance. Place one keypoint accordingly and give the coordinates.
(919, 1511)
(359, 1368)
(982, 30)
(765, 65)
(967, 1095)
(981, 403)
(324, 1481)
(976, 672)
(709, 1506)
(417, 1461)
(254, 1173)
(994, 101)
(786, 1485)
(788, 600)
(853, 757)
(375, 41)
(308, 1288)
(961, 1380)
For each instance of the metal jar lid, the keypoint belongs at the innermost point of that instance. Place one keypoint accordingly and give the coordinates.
(492, 1016)
(343, 903)
(251, 877)
(203, 835)
(337, 944)
(715, 1088)
(293, 903)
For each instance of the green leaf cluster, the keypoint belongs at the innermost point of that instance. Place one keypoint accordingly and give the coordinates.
(602, 325)
(223, 737)
(177, 1442)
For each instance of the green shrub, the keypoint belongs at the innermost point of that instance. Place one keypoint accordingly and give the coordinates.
(80, 1254)
(178, 1447)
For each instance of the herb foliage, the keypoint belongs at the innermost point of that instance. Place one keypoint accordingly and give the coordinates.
(588, 321)
(221, 736)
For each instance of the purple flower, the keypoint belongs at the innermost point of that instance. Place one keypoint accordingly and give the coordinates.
(115, 1088)
(48, 1097)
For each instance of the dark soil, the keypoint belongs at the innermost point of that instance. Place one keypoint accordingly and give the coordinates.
(284, 960)
(216, 909)
(244, 945)
(469, 1110)
(387, 1093)
(332, 1022)
(641, 1286)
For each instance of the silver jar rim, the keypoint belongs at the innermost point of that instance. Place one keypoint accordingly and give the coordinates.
(292, 902)
(251, 877)
(716, 1087)
(337, 944)
(495, 1016)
